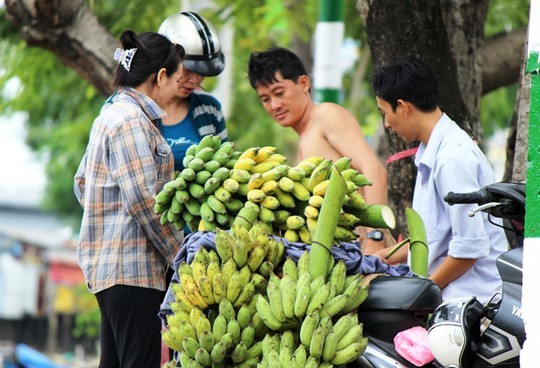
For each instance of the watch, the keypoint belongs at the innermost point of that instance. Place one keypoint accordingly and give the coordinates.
(376, 235)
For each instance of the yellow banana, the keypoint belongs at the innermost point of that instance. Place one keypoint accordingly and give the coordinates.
(321, 187)
(311, 212)
(286, 184)
(250, 153)
(205, 288)
(264, 166)
(300, 191)
(285, 199)
(255, 181)
(256, 195)
(245, 163)
(321, 173)
(264, 153)
(231, 185)
(296, 173)
(295, 222)
(304, 234)
(218, 287)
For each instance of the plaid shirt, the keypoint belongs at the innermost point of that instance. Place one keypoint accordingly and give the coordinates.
(126, 163)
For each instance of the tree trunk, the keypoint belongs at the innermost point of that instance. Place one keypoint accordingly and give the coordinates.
(421, 29)
(518, 136)
(69, 30)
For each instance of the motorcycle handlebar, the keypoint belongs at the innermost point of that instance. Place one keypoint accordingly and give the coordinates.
(480, 197)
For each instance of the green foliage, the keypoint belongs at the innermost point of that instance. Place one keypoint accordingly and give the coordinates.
(497, 107)
(88, 318)
(504, 16)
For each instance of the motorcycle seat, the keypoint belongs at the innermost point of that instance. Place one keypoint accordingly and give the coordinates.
(402, 293)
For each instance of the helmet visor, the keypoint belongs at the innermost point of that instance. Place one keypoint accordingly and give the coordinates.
(207, 67)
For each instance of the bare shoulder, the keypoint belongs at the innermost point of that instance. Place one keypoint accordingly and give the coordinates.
(330, 111)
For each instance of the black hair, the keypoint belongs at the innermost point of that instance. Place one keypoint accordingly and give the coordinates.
(262, 66)
(154, 52)
(408, 79)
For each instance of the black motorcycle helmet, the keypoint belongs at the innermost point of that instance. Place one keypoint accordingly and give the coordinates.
(200, 41)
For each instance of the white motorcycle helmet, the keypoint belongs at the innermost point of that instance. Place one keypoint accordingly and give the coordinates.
(200, 41)
(454, 324)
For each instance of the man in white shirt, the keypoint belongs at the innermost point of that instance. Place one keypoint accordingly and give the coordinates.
(462, 250)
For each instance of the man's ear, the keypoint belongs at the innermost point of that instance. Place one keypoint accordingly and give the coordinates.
(304, 82)
(405, 106)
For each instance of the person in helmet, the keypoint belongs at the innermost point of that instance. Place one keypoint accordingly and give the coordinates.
(192, 113)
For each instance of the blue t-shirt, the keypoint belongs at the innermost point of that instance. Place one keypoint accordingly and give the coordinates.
(180, 136)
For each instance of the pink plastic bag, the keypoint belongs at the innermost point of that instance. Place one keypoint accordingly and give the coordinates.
(413, 345)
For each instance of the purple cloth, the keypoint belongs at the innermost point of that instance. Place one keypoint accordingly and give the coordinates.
(355, 261)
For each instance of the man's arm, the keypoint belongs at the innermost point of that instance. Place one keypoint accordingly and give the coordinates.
(343, 133)
(451, 269)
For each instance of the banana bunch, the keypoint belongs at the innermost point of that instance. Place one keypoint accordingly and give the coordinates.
(229, 337)
(193, 196)
(318, 343)
(294, 297)
(254, 248)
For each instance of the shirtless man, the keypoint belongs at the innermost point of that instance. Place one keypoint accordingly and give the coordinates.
(325, 129)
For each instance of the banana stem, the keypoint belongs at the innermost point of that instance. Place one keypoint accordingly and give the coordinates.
(418, 248)
(321, 246)
(397, 247)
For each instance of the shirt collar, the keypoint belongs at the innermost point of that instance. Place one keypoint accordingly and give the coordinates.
(426, 153)
(149, 106)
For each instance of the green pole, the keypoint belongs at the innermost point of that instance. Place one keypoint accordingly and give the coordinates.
(329, 35)
(530, 355)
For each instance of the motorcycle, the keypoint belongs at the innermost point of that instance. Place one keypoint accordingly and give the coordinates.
(462, 333)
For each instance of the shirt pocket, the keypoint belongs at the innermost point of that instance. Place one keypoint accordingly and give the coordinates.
(164, 162)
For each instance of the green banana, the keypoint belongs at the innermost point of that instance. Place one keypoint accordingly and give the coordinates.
(349, 353)
(317, 343)
(234, 329)
(287, 288)
(219, 352)
(190, 346)
(334, 306)
(308, 327)
(219, 327)
(330, 346)
(247, 336)
(318, 298)
(276, 304)
(303, 294)
(226, 309)
(239, 353)
(243, 316)
(264, 311)
(206, 341)
(355, 299)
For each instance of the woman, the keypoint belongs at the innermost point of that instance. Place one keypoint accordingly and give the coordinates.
(192, 114)
(123, 250)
